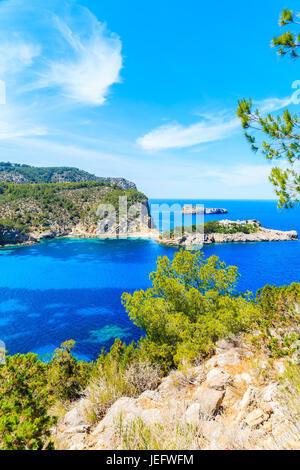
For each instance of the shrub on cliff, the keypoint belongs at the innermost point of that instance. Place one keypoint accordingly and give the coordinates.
(278, 323)
(191, 304)
(66, 376)
(24, 420)
(120, 372)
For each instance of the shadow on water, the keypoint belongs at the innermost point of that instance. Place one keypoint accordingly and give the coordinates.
(40, 320)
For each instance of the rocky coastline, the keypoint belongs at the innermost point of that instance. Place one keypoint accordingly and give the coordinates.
(18, 238)
(260, 234)
(15, 237)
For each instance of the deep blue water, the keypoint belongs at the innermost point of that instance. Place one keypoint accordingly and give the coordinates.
(71, 289)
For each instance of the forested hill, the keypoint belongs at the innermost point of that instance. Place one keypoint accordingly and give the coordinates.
(18, 174)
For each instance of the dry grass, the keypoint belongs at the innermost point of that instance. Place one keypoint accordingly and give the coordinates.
(172, 435)
(113, 383)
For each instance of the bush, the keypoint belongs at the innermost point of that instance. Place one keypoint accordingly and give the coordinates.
(191, 304)
(278, 320)
(119, 373)
(67, 377)
(24, 420)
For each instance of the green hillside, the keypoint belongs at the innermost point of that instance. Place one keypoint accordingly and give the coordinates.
(19, 174)
(38, 207)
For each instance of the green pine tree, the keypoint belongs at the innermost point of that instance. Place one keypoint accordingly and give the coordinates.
(282, 132)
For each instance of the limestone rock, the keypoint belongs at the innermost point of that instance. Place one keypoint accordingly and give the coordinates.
(232, 357)
(150, 395)
(211, 430)
(192, 414)
(244, 377)
(125, 407)
(209, 400)
(77, 415)
(256, 417)
(218, 379)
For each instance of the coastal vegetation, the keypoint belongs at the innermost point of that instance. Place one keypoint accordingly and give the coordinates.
(20, 173)
(192, 303)
(215, 226)
(34, 207)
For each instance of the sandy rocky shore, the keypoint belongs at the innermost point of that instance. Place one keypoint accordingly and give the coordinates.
(15, 237)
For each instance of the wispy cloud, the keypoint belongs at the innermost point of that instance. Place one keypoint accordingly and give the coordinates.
(8, 132)
(270, 105)
(65, 47)
(16, 123)
(90, 64)
(240, 175)
(209, 129)
(177, 136)
(15, 55)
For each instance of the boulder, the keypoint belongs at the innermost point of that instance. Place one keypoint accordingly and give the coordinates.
(231, 356)
(218, 379)
(244, 377)
(77, 416)
(192, 415)
(209, 400)
(124, 407)
(152, 395)
(212, 430)
(250, 399)
(256, 417)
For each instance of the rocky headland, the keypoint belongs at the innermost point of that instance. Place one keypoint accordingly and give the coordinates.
(227, 231)
(31, 212)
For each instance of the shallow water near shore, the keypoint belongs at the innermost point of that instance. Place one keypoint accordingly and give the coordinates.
(71, 289)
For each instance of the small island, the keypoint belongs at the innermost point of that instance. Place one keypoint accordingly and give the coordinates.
(191, 210)
(224, 231)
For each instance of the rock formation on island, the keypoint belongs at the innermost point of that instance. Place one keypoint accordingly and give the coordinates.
(189, 210)
(225, 231)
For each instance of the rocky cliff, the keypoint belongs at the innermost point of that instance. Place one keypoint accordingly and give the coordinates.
(234, 400)
(33, 212)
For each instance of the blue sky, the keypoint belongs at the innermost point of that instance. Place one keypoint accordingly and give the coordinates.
(143, 90)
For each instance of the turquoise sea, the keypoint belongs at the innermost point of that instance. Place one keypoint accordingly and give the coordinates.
(71, 289)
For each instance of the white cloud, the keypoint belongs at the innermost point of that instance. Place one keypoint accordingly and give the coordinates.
(240, 175)
(16, 55)
(64, 47)
(210, 129)
(178, 136)
(11, 131)
(270, 105)
(90, 64)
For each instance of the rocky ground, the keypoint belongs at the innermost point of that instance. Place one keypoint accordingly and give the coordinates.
(232, 401)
